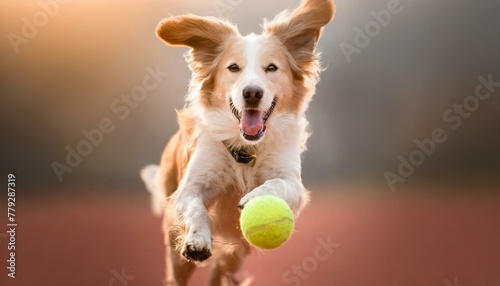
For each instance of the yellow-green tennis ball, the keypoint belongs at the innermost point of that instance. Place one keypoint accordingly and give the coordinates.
(266, 222)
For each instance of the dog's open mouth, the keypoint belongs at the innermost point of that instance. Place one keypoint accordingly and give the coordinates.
(253, 121)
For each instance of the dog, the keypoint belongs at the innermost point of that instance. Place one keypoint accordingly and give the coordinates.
(241, 133)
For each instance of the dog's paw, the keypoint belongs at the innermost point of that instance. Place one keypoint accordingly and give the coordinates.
(246, 198)
(271, 187)
(196, 248)
(257, 192)
(192, 253)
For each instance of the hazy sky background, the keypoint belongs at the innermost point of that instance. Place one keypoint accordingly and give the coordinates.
(73, 65)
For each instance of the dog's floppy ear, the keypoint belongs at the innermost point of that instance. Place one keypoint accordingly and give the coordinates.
(300, 30)
(205, 35)
(194, 31)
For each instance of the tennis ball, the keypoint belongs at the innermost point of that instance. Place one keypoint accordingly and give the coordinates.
(266, 222)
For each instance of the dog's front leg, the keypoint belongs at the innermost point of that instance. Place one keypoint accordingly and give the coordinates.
(197, 243)
(191, 200)
(281, 173)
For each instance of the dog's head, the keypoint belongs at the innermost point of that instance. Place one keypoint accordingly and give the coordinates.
(246, 80)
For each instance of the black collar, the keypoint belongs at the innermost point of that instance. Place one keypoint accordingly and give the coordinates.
(241, 155)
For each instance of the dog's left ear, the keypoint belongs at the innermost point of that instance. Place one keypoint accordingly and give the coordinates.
(300, 30)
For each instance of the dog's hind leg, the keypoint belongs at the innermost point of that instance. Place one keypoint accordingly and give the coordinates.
(231, 247)
(228, 262)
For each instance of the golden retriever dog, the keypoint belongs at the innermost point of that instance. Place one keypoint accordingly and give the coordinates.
(241, 133)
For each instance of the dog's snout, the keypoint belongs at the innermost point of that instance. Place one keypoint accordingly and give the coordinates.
(252, 95)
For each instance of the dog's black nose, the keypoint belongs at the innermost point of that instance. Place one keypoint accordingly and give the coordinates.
(252, 95)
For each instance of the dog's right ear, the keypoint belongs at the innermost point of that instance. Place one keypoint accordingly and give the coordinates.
(205, 35)
(194, 31)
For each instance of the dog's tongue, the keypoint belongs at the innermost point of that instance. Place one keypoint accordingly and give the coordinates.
(251, 122)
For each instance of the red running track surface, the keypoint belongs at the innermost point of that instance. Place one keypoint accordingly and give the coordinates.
(375, 238)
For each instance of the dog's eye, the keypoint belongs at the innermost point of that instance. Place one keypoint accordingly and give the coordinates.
(271, 68)
(233, 68)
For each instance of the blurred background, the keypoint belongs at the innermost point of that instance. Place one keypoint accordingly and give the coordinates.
(369, 107)
(396, 71)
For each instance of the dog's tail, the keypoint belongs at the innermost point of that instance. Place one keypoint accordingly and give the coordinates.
(150, 175)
